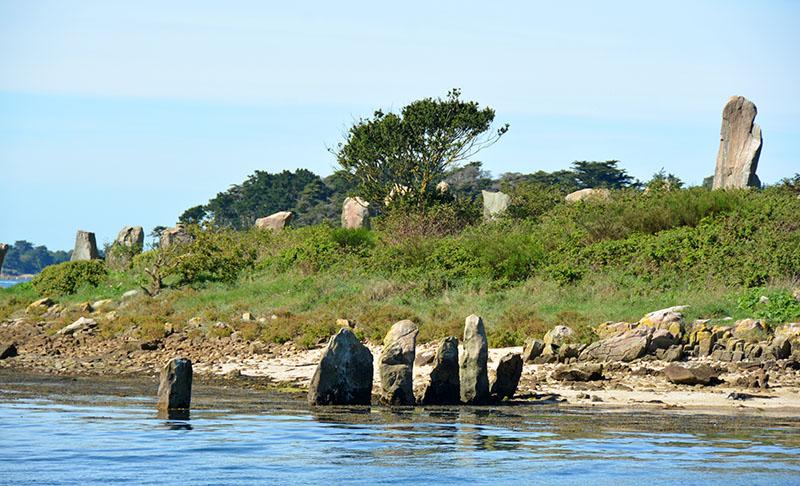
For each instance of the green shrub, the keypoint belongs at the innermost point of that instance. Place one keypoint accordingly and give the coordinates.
(780, 306)
(216, 256)
(66, 278)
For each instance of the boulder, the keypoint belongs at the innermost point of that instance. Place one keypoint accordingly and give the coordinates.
(588, 195)
(355, 213)
(624, 347)
(3, 251)
(670, 354)
(750, 330)
(494, 204)
(578, 372)
(443, 187)
(344, 373)
(788, 331)
(131, 237)
(696, 375)
(669, 319)
(739, 146)
(128, 244)
(131, 294)
(175, 387)
(608, 329)
(8, 350)
(397, 364)
(82, 324)
(533, 349)
(660, 339)
(85, 247)
(39, 306)
(177, 235)
(397, 190)
(444, 387)
(274, 222)
(506, 377)
(558, 335)
(473, 363)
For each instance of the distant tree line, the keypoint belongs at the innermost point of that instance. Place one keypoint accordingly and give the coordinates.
(23, 258)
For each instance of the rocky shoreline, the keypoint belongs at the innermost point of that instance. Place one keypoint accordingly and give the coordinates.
(659, 362)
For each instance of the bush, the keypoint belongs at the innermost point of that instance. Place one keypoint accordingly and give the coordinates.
(66, 278)
(216, 256)
(780, 306)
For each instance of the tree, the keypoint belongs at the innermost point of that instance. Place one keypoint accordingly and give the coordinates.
(469, 179)
(411, 152)
(661, 181)
(193, 215)
(601, 174)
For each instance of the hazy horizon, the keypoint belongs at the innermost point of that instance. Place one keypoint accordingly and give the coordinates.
(123, 114)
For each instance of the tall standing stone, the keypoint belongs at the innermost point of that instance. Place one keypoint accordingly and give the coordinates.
(445, 386)
(506, 378)
(473, 363)
(355, 213)
(739, 146)
(344, 373)
(3, 251)
(275, 222)
(175, 389)
(494, 204)
(85, 247)
(397, 364)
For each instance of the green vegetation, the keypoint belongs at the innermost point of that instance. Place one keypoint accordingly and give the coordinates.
(66, 278)
(25, 259)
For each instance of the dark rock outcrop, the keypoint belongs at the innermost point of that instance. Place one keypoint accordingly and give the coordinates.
(8, 350)
(506, 378)
(444, 387)
(344, 373)
(696, 375)
(533, 349)
(397, 364)
(473, 363)
(175, 388)
(3, 251)
(578, 372)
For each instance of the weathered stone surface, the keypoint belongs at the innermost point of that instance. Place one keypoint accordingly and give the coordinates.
(608, 329)
(494, 204)
(131, 237)
(443, 187)
(81, 324)
(697, 375)
(85, 247)
(558, 335)
(673, 353)
(39, 306)
(344, 373)
(175, 236)
(669, 319)
(444, 387)
(578, 372)
(397, 364)
(750, 330)
(3, 251)
(473, 363)
(660, 339)
(533, 349)
(175, 387)
(623, 347)
(8, 350)
(506, 378)
(355, 213)
(739, 146)
(274, 222)
(128, 244)
(588, 195)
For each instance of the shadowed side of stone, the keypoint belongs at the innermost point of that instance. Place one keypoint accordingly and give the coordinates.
(445, 386)
(473, 363)
(3, 250)
(175, 389)
(397, 364)
(344, 373)
(506, 378)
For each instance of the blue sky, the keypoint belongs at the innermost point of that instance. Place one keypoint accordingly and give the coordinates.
(126, 113)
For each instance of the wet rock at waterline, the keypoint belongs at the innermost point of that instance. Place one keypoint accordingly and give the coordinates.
(175, 388)
(355, 213)
(739, 146)
(494, 204)
(344, 373)
(85, 247)
(397, 364)
(444, 387)
(506, 377)
(473, 363)
(175, 236)
(275, 222)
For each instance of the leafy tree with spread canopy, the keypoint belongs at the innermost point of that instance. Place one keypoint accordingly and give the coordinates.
(405, 155)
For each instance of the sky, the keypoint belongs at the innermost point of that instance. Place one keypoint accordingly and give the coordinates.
(120, 113)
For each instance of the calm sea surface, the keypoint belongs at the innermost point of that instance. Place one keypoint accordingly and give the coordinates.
(58, 431)
(9, 283)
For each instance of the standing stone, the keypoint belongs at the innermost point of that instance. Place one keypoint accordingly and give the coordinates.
(506, 378)
(533, 349)
(355, 213)
(3, 250)
(176, 235)
(175, 389)
(85, 247)
(131, 237)
(344, 373)
(275, 222)
(128, 244)
(494, 204)
(473, 363)
(444, 387)
(397, 364)
(739, 146)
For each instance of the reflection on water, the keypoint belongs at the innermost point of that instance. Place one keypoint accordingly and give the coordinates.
(100, 432)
